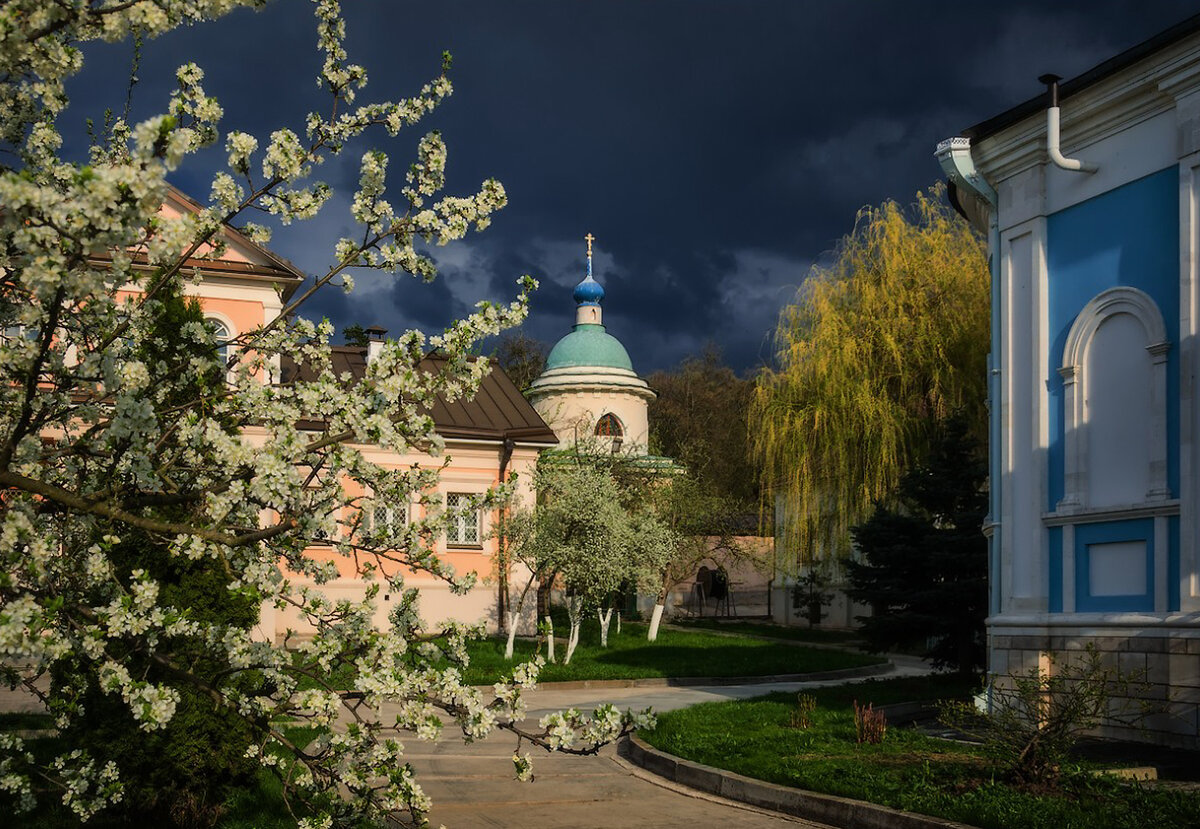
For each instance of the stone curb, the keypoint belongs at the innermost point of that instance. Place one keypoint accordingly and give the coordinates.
(696, 681)
(822, 808)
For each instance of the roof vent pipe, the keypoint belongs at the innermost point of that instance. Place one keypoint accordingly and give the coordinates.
(1052, 131)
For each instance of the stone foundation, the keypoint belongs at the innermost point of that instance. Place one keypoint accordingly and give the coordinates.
(1167, 658)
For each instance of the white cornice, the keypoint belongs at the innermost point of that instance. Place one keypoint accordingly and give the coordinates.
(571, 379)
(1109, 106)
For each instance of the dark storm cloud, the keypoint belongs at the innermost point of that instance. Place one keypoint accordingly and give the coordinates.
(715, 149)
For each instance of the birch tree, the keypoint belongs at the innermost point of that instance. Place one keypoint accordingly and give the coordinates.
(877, 348)
(99, 444)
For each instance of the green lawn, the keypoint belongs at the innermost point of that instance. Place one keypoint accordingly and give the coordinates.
(816, 635)
(19, 721)
(908, 770)
(675, 654)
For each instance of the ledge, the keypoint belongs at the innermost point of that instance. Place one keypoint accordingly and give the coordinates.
(822, 808)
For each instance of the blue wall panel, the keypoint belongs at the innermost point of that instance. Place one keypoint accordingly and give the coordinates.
(1139, 529)
(1127, 236)
(1173, 564)
(1056, 569)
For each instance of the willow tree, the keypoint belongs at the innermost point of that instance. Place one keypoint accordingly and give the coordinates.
(879, 346)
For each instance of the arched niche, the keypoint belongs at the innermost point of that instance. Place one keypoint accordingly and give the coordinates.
(1114, 371)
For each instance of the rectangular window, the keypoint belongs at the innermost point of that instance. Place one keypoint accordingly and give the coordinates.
(465, 521)
(389, 519)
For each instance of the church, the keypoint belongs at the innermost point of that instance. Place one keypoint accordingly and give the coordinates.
(589, 386)
(1090, 197)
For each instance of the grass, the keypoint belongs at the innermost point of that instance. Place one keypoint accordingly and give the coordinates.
(675, 654)
(25, 721)
(798, 634)
(908, 770)
(628, 656)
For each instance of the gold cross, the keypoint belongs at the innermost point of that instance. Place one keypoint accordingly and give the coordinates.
(590, 238)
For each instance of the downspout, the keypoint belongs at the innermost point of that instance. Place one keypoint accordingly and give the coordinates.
(506, 451)
(954, 154)
(1052, 131)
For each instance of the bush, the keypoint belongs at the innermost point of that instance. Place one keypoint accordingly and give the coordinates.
(1037, 717)
(809, 594)
(870, 726)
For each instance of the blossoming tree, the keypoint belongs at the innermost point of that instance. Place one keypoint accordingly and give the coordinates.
(98, 442)
(589, 534)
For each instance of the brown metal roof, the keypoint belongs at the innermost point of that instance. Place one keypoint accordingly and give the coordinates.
(497, 412)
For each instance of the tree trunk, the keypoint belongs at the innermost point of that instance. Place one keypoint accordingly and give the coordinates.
(605, 618)
(574, 611)
(654, 621)
(549, 639)
(618, 623)
(513, 617)
(660, 602)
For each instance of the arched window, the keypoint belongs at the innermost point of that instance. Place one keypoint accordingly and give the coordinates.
(609, 426)
(222, 335)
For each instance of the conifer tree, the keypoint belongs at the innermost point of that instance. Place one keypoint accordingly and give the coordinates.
(924, 568)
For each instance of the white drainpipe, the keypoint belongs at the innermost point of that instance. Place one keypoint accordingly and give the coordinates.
(1052, 132)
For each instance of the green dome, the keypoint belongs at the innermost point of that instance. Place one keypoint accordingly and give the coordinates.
(588, 345)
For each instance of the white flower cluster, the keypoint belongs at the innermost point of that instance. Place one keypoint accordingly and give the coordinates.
(119, 428)
(87, 786)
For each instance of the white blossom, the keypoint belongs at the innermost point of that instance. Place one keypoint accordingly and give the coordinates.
(113, 430)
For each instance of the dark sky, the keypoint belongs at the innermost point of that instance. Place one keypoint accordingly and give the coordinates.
(716, 149)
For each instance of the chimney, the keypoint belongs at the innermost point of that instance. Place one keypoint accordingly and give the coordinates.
(375, 337)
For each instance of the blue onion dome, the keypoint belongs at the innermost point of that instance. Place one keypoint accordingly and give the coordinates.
(589, 291)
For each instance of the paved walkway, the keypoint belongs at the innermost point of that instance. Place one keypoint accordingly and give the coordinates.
(472, 786)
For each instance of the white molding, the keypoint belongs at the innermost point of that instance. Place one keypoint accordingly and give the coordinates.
(1092, 624)
(1106, 304)
(1023, 415)
(1122, 513)
(1189, 362)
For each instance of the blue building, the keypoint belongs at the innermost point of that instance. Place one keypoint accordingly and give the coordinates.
(1090, 196)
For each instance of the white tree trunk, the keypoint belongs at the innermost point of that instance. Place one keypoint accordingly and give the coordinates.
(549, 639)
(654, 621)
(574, 612)
(605, 618)
(618, 623)
(513, 618)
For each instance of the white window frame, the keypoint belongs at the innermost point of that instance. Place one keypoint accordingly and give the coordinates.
(394, 517)
(225, 346)
(457, 532)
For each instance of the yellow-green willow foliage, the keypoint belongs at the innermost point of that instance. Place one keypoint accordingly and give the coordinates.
(876, 348)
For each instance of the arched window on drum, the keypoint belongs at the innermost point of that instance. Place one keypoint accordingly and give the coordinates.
(609, 426)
